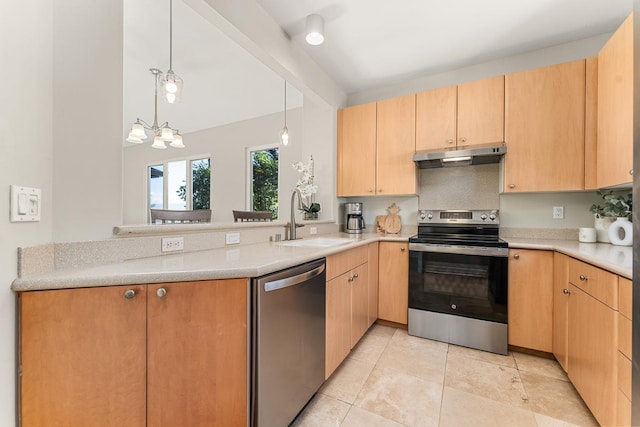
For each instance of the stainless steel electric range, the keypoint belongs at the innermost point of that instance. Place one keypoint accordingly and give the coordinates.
(458, 279)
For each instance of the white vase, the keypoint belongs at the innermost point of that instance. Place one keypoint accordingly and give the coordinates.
(602, 224)
(621, 232)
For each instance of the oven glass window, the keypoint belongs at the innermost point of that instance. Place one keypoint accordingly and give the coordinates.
(465, 285)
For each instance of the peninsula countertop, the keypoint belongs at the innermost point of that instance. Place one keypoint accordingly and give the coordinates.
(232, 261)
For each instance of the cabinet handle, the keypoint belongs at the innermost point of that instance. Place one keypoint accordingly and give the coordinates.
(355, 276)
(129, 293)
(512, 186)
(379, 190)
(583, 278)
(566, 291)
(463, 139)
(402, 249)
(449, 141)
(350, 279)
(370, 191)
(516, 256)
(161, 292)
(630, 171)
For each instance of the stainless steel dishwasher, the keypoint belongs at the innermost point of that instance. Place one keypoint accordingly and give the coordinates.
(288, 342)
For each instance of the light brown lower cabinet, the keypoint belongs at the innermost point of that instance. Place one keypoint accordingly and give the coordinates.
(373, 282)
(561, 309)
(531, 299)
(393, 294)
(169, 354)
(347, 304)
(625, 316)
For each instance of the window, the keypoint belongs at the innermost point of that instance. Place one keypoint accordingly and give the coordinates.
(263, 179)
(186, 184)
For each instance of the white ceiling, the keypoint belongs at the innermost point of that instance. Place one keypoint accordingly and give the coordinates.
(222, 82)
(373, 43)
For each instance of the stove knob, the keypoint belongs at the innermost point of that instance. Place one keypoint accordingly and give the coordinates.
(492, 217)
(429, 215)
(423, 214)
(483, 216)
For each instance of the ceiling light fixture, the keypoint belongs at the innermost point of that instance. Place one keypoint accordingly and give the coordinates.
(315, 30)
(171, 82)
(162, 133)
(284, 133)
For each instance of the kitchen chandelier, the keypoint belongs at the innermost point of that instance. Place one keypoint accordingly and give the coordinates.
(284, 133)
(171, 85)
(162, 133)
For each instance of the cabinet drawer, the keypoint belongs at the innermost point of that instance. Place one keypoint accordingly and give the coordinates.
(345, 261)
(624, 335)
(598, 283)
(624, 374)
(625, 297)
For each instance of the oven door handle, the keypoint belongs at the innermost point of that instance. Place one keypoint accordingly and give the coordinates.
(460, 250)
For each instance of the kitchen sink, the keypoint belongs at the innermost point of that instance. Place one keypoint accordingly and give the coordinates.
(319, 242)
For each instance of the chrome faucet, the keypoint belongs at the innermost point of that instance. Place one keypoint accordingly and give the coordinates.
(292, 222)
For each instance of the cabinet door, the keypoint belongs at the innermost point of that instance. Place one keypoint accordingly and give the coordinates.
(593, 354)
(396, 145)
(357, 150)
(615, 108)
(359, 303)
(338, 332)
(393, 302)
(561, 309)
(481, 112)
(544, 128)
(373, 283)
(197, 353)
(82, 353)
(531, 299)
(436, 118)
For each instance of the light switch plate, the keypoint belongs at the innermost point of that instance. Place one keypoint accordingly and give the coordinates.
(26, 204)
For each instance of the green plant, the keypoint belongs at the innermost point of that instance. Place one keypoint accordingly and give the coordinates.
(615, 205)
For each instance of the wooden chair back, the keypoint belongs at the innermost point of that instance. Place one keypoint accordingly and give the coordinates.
(249, 216)
(166, 216)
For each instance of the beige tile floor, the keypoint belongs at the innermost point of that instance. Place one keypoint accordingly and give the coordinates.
(394, 379)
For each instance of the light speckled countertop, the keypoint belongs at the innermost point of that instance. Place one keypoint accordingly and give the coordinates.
(255, 260)
(233, 261)
(617, 259)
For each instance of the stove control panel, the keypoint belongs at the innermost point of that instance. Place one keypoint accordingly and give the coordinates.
(458, 216)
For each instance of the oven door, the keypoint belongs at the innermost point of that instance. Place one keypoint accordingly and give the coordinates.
(459, 280)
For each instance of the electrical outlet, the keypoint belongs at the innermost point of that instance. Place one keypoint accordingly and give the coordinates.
(313, 230)
(232, 238)
(170, 244)
(558, 212)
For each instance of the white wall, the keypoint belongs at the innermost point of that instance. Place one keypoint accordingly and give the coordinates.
(227, 147)
(87, 119)
(26, 144)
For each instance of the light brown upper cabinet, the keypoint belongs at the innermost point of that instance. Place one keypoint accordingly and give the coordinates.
(545, 128)
(615, 108)
(467, 114)
(376, 143)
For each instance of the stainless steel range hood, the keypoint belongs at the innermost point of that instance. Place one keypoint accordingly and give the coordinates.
(461, 156)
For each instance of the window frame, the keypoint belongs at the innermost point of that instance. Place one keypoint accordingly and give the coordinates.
(165, 184)
(249, 172)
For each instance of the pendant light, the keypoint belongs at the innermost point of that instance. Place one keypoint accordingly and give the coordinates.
(171, 82)
(284, 133)
(161, 133)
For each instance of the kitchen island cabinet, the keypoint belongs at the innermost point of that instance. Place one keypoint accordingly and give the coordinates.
(166, 354)
(454, 116)
(376, 143)
(615, 108)
(531, 299)
(393, 295)
(545, 129)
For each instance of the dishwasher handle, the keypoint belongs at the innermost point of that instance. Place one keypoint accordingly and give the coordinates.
(274, 285)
